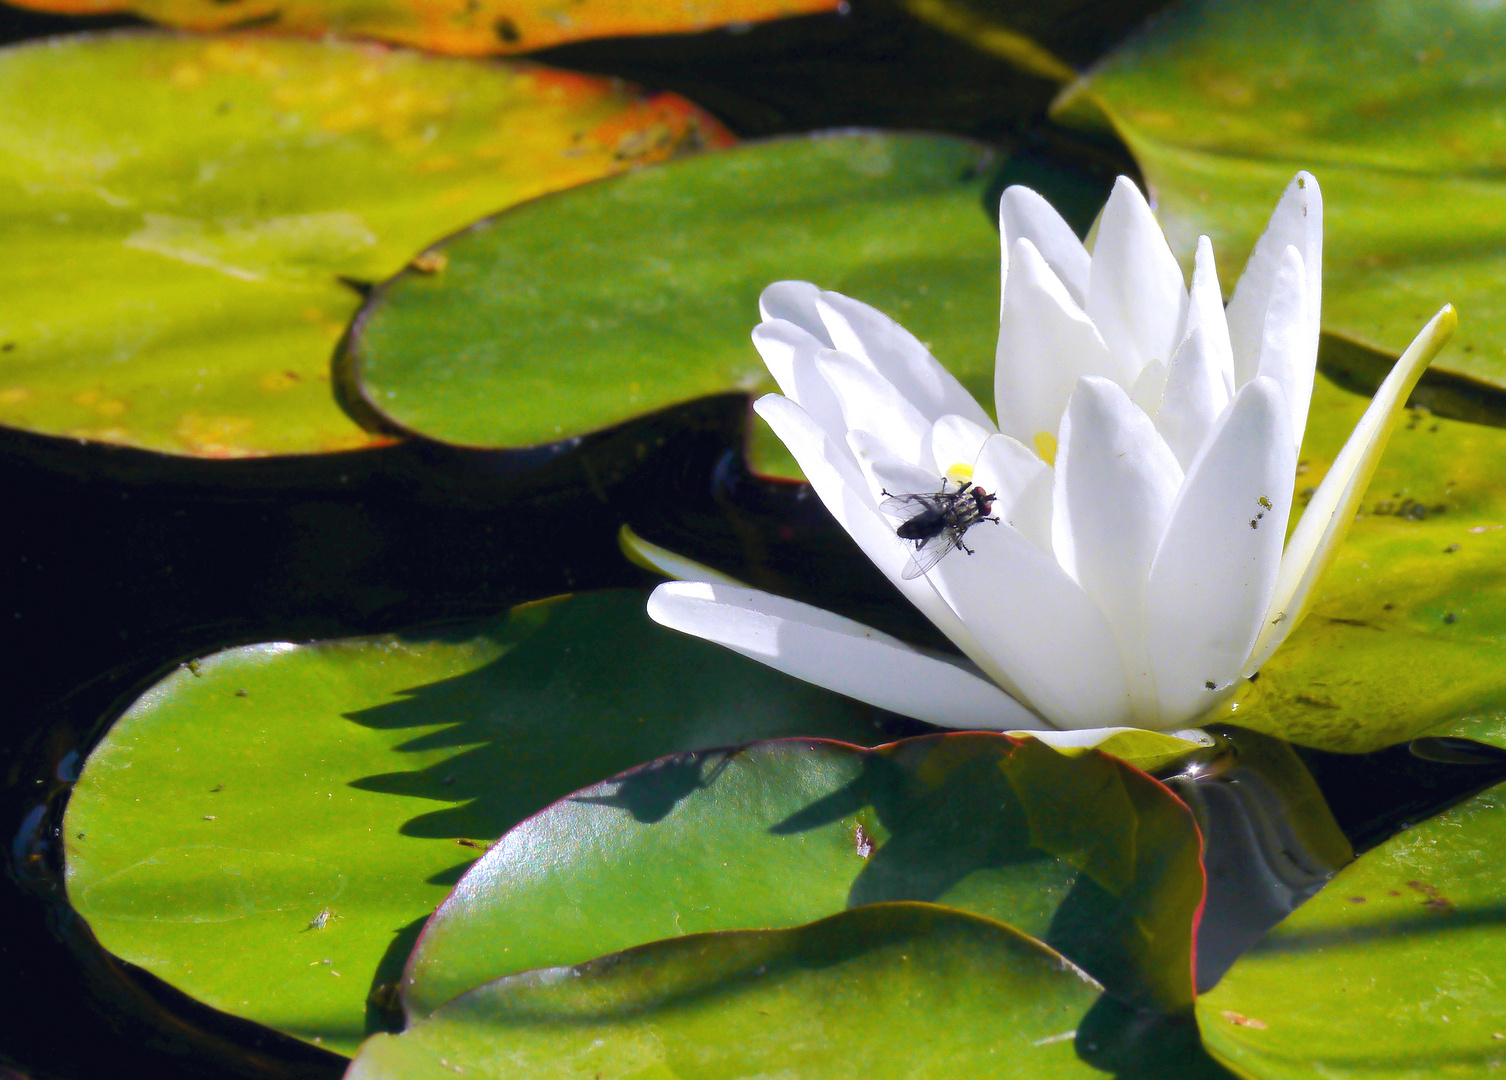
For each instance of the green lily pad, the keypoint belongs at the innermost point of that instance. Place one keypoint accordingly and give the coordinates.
(1393, 972)
(1221, 103)
(1409, 629)
(1087, 853)
(568, 314)
(179, 214)
(464, 27)
(268, 831)
(887, 992)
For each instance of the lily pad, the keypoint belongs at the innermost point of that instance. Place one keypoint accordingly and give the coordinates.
(460, 27)
(1221, 103)
(887, 992)
(571, 313)
(1092, 856)
(187, 221)
(1391, 973)
(1409, 629)
(268, 829)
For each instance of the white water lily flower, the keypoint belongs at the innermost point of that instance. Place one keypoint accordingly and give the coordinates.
(1143, 466)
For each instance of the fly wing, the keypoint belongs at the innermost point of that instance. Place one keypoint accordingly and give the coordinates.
(929, 553)
(906, 507)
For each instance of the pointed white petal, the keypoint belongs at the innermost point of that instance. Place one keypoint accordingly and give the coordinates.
(794, 301)
(871, 402)
(1316, 539)
(1284, 352)
(1216, 568)
(1116, 481)
(1045, 343)
(843, 488)
(1049, 641)
(837, 654)
(789, 352)
(1195, 396)
(1200, 379)
(1205, 309)
(955, 440)
(1136, 295)
(672, 564)
(1298, 222)
(870, 335)
(1023, 213)
(1021, 484)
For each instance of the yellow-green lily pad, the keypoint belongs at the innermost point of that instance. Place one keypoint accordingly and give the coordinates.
(185, 222)
(1398, 109)
(268, 830)
(886, 992)
(1393, 972)
(568, 314)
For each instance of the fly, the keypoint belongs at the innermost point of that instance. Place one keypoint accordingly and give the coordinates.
(935, 522)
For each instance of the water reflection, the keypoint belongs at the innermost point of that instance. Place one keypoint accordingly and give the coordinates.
(1279, 821)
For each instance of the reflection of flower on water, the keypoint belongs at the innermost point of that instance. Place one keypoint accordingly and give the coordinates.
(1142, 466)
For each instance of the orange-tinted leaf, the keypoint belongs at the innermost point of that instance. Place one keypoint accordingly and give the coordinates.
(461, 27)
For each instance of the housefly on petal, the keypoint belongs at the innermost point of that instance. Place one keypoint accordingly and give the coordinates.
(935, 522)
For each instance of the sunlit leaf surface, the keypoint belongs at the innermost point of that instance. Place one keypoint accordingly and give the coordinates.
(890, 992)
(1409, 630)
(1086, 853)
(176, 216)
(571, 313)
(1400, 111)
(1393, 972)
(269, 833)
(463, 27)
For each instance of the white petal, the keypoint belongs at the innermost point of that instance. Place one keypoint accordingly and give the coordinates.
(955, 440)
(1049, 641)
(1116, 481)
(1136, 295)
(1045, 343)
(843, 488)
(1200, 379)
(789, 352)
(794, 301)
(1316, 539)
(1216, 568)
(1298, 222)
(837, 654)
(892, 351)
(1023, 213)
(871, 402)
(1205, 309)
(1021, 485)
(1284, 352)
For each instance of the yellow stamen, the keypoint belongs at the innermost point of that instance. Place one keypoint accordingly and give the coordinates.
(959, 472)
(1045, 445)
